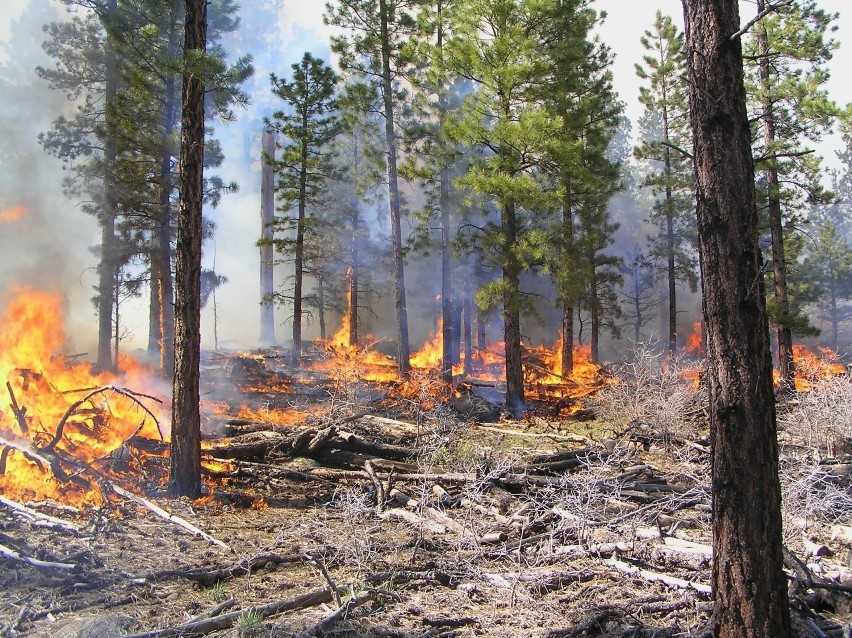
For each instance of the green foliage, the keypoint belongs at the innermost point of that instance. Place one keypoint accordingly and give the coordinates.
(306, 129)
(249, 624)
(122, 65)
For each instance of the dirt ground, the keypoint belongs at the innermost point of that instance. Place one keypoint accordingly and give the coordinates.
(546, 526)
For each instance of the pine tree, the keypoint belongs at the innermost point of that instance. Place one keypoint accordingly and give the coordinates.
(495, 45)
(185, 456)
(748, 581)
(308, 127)
(831, 260)
(580, 97)
(432, 157)
(664, 145)
(788, 52)
(140, 121)
(373, 49)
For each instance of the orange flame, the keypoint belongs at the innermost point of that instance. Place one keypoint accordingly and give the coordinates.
(45, 385)
(13, 214)
(811, 368)
(695, 341)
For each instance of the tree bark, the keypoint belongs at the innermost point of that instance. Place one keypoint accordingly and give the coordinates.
(267, 216)
(185, 467)
(749, 587)
(403, 352)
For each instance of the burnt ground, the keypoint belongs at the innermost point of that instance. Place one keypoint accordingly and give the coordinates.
(545, 526)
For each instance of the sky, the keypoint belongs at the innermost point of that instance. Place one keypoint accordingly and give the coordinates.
(300, 28)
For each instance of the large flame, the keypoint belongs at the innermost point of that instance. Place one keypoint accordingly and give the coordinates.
(45, 389)
(812, 368)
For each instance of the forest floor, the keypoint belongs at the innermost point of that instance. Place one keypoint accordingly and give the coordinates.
(375, 515)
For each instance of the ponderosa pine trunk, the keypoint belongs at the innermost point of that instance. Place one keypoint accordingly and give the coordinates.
(106, 284)
(749, 586)
(107, 268)
(162, 313)
(449, 325)
(403, 352)
(185, 465)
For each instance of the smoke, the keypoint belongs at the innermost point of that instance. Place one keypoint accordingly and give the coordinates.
(49, 245)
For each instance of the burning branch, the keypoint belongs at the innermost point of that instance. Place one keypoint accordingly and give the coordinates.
(20, 413)
(122, 391)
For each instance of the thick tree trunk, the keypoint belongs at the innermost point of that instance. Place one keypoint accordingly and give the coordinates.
(403, 352)
(185, 467)
(749, 587)
(267, 216)
(786, 365)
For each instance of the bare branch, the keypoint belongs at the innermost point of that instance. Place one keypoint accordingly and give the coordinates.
(769, 9)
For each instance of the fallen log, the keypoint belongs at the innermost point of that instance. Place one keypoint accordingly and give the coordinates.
(226, 621)
(656, 577)
(208, 576)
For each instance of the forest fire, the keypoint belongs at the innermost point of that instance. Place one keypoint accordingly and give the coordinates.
(63, 420)
(811, 368)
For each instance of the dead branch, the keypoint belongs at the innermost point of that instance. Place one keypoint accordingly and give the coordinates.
(20, 413)
(341, 612)
(56, 523)
(540, 581)
(377, 484)
(133, 396)
(207, 576)
(769, 9)
(494, 427)
(225, 605)
(159, 511)
(226, 621)
(656, 577)
(409, 575)
(8, 552)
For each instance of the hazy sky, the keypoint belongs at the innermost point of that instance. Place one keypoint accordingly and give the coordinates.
(300, 29)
